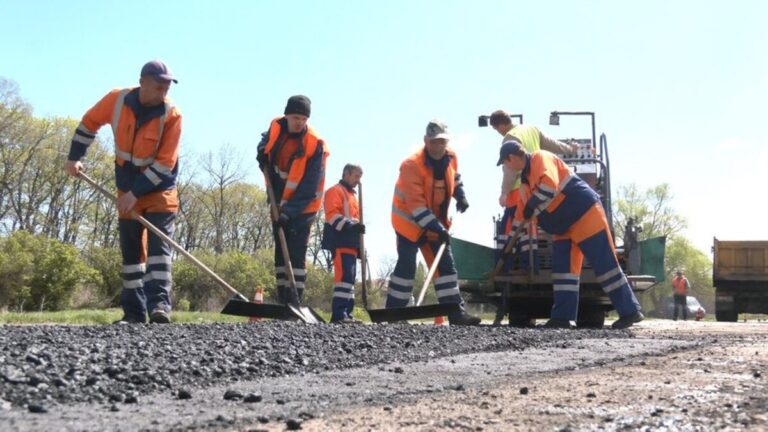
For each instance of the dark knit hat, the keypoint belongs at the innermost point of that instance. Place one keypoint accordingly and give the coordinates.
(298, 104)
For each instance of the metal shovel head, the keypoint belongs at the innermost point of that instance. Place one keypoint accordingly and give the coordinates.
(308, 315)
(413, 312)
(272, 311)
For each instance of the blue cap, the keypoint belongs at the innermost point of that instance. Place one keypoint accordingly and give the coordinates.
(159, 70)
(510, 147)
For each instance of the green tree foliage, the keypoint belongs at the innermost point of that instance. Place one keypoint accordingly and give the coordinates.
(39, 273)
(652, 210)
(682, 255)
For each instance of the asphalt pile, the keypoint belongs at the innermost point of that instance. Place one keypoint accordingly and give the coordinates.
(44, 365)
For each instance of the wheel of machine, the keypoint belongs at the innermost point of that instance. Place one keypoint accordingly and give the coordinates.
(726, 315)
(591, 318)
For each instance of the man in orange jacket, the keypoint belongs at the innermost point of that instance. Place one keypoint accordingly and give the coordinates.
(571, 211)
(428, 180)
(341, 236)
(147, 128)
(680, 287)
(294, 156)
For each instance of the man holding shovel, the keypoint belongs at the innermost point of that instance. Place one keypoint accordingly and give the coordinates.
(428, 180)
(341, 236)
(147, 128)
(293, 155)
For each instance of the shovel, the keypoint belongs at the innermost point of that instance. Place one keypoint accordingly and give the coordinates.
(293, 309)
(418, 311)
(239, 302)
(507, 250)
(363, 256)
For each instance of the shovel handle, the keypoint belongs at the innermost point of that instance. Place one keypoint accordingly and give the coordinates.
(432, 270)
(363, 257)
(508, 249)
(177, 247)
(281, 238)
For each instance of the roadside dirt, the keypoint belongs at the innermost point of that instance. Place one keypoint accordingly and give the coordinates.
(719, 384)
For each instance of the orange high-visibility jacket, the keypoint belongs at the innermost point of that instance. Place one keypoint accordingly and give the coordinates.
(146, 149)
(680, 285)
(418, 196)
(298, 173)
(342, 210)
(551, 190)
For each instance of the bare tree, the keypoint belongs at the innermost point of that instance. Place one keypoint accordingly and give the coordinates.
(223, 170)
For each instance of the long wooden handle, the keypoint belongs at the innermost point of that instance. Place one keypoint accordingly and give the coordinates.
(363, 257)
(167, 239)
(508, 249)
(281, 238)
(431, 273)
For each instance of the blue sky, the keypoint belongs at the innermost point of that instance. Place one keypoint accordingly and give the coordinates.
(679, 87)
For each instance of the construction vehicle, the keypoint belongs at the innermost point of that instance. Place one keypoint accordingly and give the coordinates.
(740, 277)
(527, 292)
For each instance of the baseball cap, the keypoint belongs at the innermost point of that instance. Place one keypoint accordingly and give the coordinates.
(510, 147)
(437, 129)
(158, 69)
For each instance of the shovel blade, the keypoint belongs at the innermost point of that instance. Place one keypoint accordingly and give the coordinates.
(306, 314)
(260, 310)
(413, 312)
(272, 311)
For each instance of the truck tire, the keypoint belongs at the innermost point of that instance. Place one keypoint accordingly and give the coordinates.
(726, 315)
(591, 318)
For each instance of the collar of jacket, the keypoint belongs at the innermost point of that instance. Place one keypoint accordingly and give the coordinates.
(286, 135)
(526, 170)
(347, 186)
(447, 155)
(143, 113)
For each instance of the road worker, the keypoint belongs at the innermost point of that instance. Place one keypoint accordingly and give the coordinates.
(428, 180)
(294, 157)
(532, 140)
(341, 236)
(571, 211)
(680, 288)
(146, 127)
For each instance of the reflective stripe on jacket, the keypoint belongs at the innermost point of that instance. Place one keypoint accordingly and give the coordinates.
(551, 190)
(310, 143)
(146, 149)
(418, 196)
(342, 210)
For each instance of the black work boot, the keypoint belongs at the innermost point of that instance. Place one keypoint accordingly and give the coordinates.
(159, 316)
(463, 319)
(627, 321)
(555, 323)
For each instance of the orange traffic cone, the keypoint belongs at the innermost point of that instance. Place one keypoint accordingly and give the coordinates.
(258, 298)
(440, 320)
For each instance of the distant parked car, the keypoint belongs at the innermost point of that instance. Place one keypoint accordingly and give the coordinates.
(695, 309)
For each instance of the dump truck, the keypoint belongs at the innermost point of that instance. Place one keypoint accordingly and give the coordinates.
(740, 277)
(527, 292)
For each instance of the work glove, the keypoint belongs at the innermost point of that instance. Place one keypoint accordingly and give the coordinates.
(528, 212)
(444, 237)
(462, 204)
(357, 228)
(436, 227)
(282, 221)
